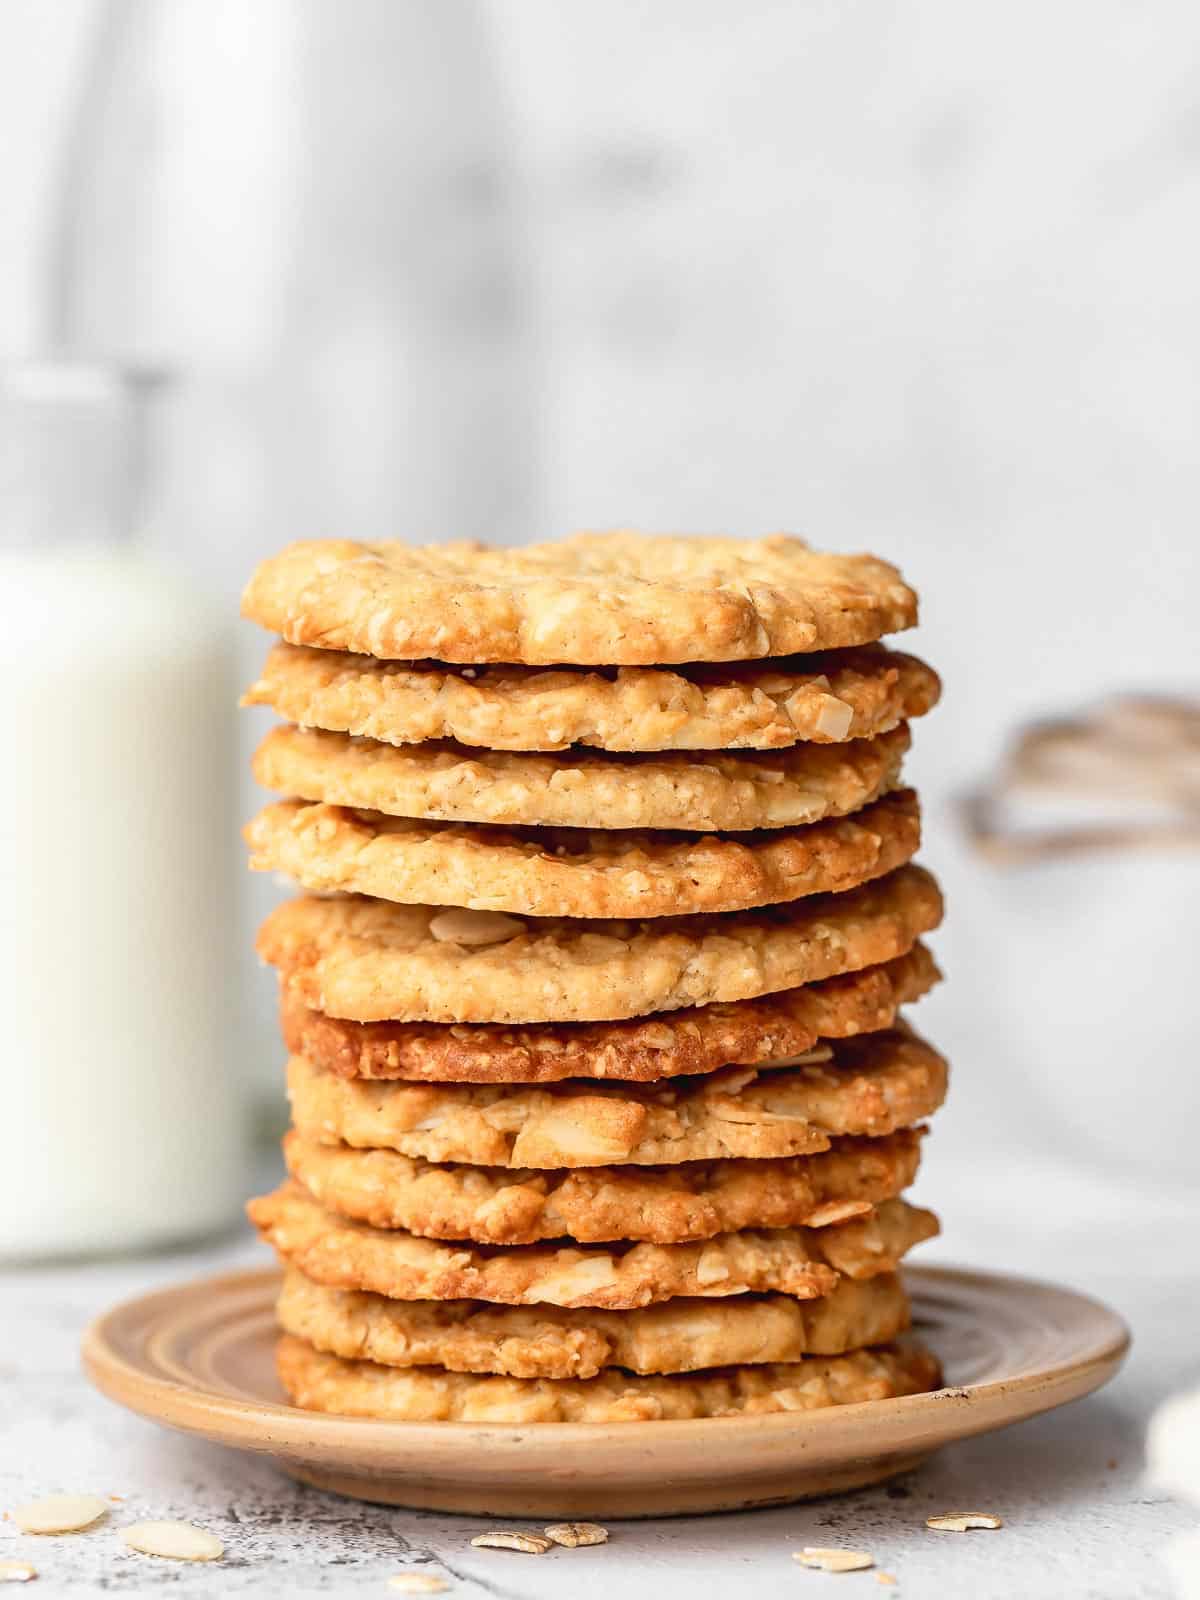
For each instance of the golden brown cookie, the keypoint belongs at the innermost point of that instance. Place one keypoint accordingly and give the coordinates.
(665, 1205)
(588, 789)
(551, 1342)
(756, 705)
(672, 1043)
(608, 599)
(867, 1086)
(569, 872)
(370, 961)
(805, 1262)
(319, 1382)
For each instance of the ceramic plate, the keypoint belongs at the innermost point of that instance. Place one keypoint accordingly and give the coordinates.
(199, 1358)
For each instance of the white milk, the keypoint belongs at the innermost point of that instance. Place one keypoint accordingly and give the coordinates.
(122, 1118)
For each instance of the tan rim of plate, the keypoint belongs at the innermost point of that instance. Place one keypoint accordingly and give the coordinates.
(199, 1358)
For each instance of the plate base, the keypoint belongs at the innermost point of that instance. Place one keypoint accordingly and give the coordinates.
(590, 1501)
(199, 1358)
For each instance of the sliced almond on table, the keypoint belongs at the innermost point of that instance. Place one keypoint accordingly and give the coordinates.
(573, 1534)
(530, 1544)
(885, 1577)
(825, 1559)
(16, 1572)
(59, 1513)
(963, 1521)
(176, 1541)
(418, 1583)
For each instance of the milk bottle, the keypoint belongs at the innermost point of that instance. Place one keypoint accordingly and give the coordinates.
(122, 1114)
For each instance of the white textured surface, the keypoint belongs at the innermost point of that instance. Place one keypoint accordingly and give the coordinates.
(1075, 1524)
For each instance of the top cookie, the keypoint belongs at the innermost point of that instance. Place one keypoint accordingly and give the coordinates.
(597, 599)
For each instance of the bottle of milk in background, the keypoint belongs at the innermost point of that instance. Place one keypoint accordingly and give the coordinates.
(122, 1108)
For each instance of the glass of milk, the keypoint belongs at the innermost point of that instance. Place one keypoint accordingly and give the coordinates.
(123, 1113)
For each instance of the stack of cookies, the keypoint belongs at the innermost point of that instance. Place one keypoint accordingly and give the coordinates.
(602, 1104)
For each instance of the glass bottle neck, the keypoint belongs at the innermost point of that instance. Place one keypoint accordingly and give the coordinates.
(72, 448)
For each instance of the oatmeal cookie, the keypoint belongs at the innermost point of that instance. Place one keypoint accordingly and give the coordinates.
(867, 1086)
(668, 1045)
(319, 1382)
(607, 599)
(664, 1205)
(755, 705)
(551, 1342)
(569, 872)
(805, 1262)
(370, 961)
(698, 793)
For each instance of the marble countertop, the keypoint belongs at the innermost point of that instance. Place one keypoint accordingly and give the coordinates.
(1080, 1517)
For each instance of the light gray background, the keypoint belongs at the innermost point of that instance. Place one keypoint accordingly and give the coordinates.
(917, 277)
